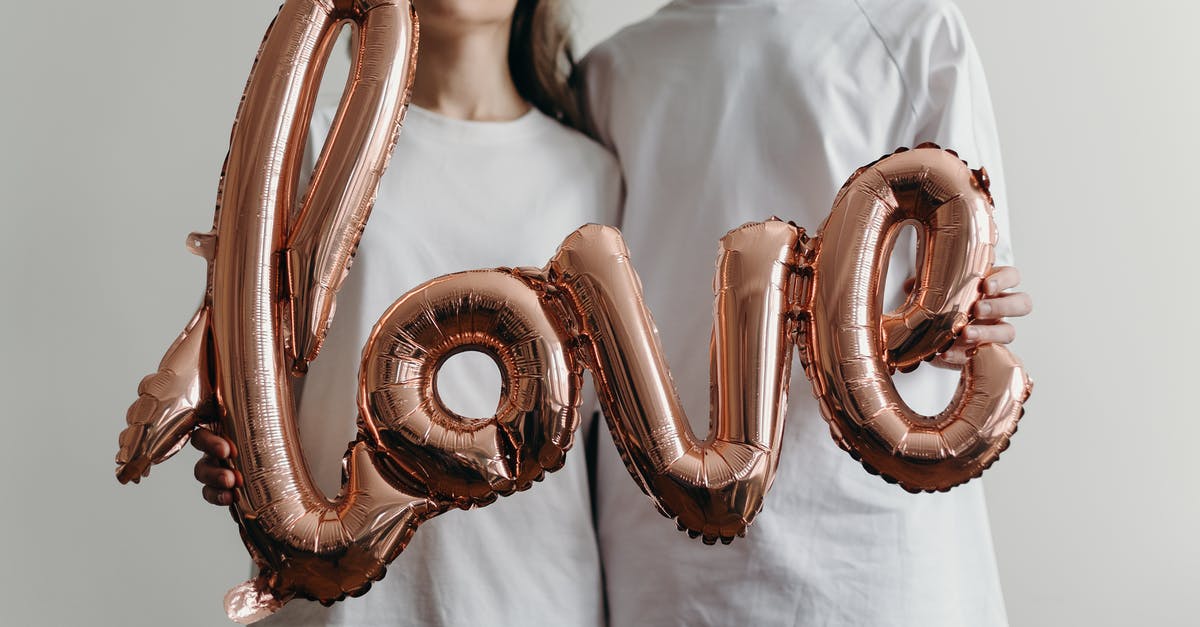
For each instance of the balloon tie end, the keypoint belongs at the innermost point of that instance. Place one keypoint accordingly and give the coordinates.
(251, 602)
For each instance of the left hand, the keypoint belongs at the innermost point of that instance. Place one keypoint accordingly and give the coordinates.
(990, 311)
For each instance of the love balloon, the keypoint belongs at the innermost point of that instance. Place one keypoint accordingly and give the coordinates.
(274, 272)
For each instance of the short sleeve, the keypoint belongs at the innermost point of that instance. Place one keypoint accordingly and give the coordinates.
(953, 107)
(596, 77)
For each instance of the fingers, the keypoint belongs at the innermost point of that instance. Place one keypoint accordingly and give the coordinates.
(212, 444)
(989, 312)
(1004, 306)
(217, 497)
(998, 333)
(972, 336)
(953, 359)
(218, 480)
(211, 473)
(1001, 278)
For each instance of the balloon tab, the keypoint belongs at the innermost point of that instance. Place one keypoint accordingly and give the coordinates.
(203, 244)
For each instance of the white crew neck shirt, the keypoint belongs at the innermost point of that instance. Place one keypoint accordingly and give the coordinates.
(724, 112)
(464, 195)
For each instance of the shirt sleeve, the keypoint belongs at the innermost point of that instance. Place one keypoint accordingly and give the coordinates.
(595, 83)
(596, 72)
(952, 106)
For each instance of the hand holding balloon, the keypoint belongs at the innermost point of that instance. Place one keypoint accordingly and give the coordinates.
(273, 270)
(850, 354)
(989, 326)
(995, 304)
(273, 274)
(212, 469)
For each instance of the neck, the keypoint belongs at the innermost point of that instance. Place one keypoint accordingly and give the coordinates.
(464, 74)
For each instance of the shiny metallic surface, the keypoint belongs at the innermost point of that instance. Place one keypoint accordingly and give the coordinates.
(850, 351)
(458, 460)
(714, 485)
(340, 195)
(304, 543)
(161, 420)
(274, 272)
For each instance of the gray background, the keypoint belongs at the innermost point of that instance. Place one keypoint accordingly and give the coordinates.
(116, 119)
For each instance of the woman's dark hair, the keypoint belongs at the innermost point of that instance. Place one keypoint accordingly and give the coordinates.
(541, 61)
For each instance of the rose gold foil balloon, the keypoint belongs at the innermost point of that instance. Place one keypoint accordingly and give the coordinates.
(162, 418)
(850, 351)
(457, 460)
(714, 485)
(272, 276)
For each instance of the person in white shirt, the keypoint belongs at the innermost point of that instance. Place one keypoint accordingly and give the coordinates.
(486, 174)
(728, 111)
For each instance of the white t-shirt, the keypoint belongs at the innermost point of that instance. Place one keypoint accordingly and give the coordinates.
(457, 196)
(724, 112)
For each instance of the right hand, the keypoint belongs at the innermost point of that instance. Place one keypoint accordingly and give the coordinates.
(212, 470)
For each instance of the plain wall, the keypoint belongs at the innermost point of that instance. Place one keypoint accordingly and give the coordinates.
(116, 119)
